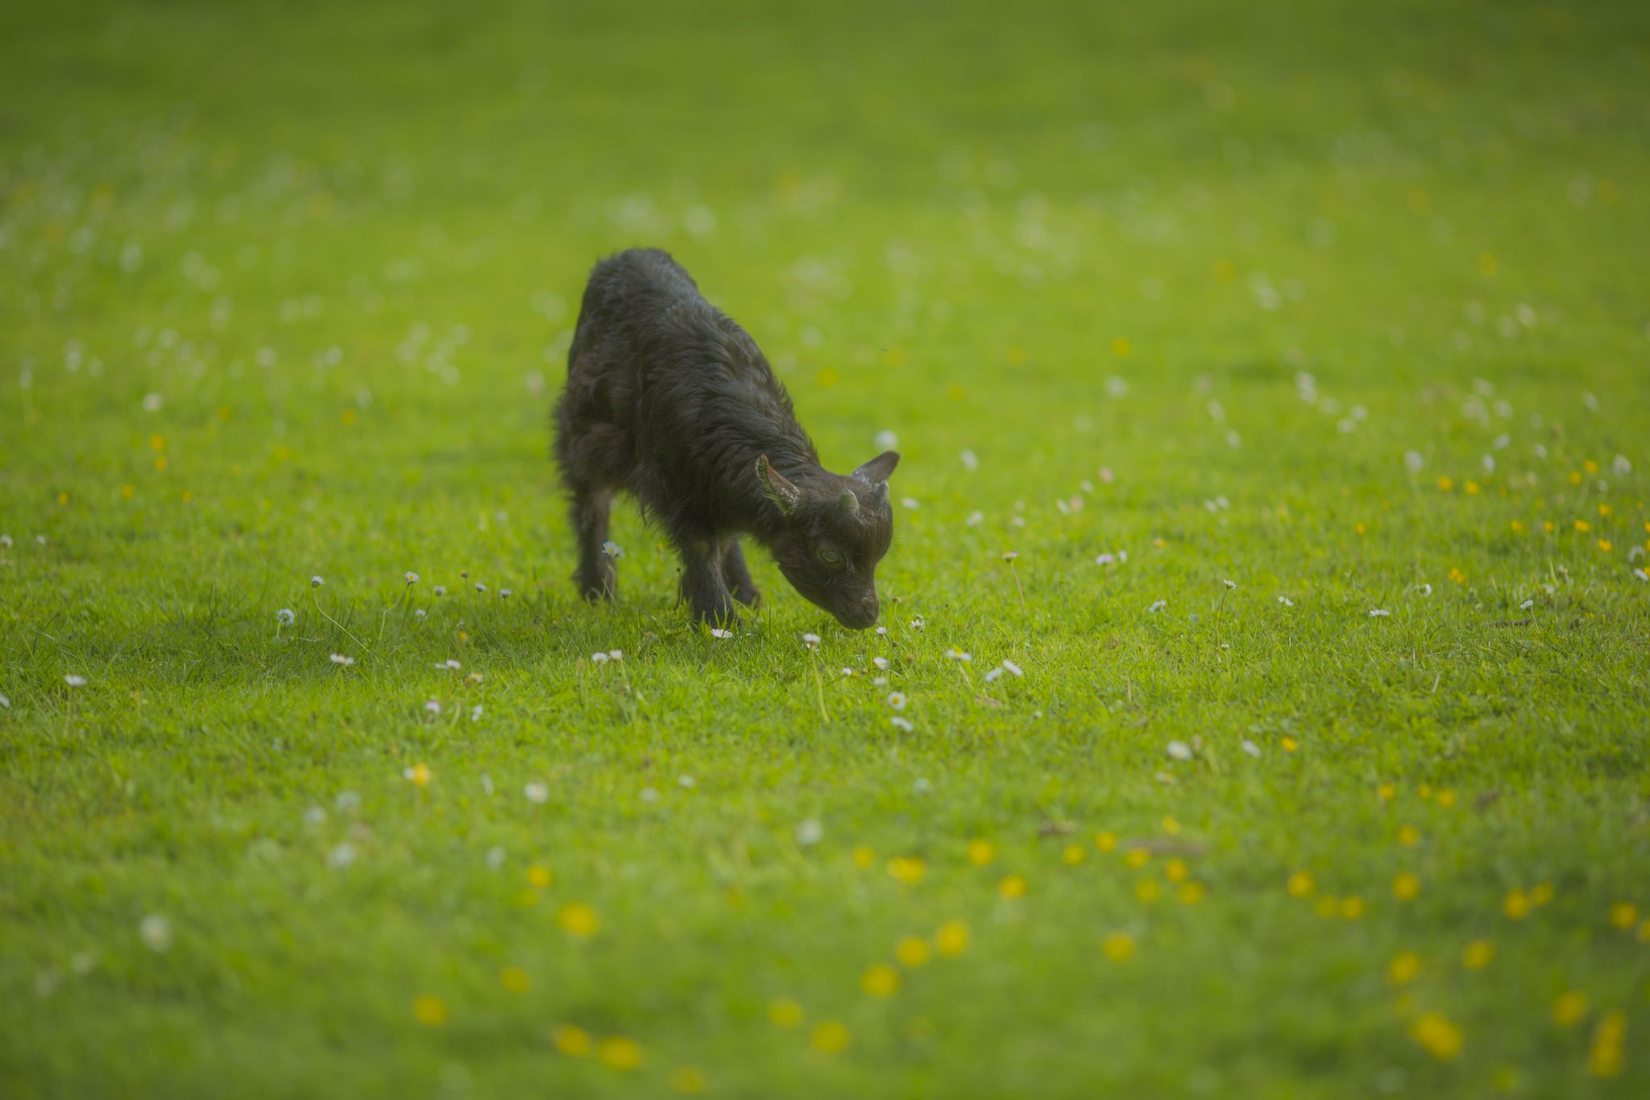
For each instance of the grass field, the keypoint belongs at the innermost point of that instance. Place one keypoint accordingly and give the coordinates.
(1299, 354)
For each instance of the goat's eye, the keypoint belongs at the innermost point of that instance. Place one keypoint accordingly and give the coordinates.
(828, 556)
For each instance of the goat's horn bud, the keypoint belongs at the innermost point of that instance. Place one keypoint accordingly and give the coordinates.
(848, 502)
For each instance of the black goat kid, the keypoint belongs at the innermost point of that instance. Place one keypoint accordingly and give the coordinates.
(670, 400)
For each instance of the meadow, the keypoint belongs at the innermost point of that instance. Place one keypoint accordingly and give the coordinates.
(1262, 705)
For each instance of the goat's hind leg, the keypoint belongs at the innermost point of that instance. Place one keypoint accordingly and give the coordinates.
(596, 577)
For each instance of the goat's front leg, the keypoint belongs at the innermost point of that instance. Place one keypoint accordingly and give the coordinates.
(702, 583)
(737, 576)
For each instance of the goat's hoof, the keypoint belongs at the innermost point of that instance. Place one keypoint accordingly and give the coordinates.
(750, 597)
(721, 615)
(595, 590)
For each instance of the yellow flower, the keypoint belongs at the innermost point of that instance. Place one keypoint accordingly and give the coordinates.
(619, 1052)
(1487, 267)
(1604, 510)
(1472, 488)
(1590, 466)
(1541, 893)
(1575, 477)
(1171, 826)
(1105, 841)
(1121, 347)
(128, 491)
(1352, 908)
(514, 979)
(1326, 906)
(785, 1013)
(880, 980)
(912, 951)
(952, 938)
(1436, 1035)
(1643, 934)
(1119, 947)
(1406, 887)
(1477, 954)
(1624, 914)
(1409, 836)
(538, 876)
(1175, 870)
(1074, 854)
(578, 919)
(1137, 857)
(1605, 546)
(1359, 528)
(161, 463)
(908, 869)
(1147, 890)
(1570, 1008)
(1604, 1056)
(687, 1080)
(431, 1011)
(1300, 885)
(1457, 576)
(1549, 526)
(1517, 527)
(1013, 886)
(1446, 484)
(1404, 968)
(157, 443)
(1446, 799)
(420, 775)
(1191, 893)
(1290, 744)
(981, 852)
(864, 857)
(1583, 526)
(829, 1037)
(1386, 792)
(1517, 904)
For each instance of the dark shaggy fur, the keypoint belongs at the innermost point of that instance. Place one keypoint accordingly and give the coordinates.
(671, 401)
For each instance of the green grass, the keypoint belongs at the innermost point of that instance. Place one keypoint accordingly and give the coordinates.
(285, 291)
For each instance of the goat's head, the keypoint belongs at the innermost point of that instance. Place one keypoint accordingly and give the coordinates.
(835, 530)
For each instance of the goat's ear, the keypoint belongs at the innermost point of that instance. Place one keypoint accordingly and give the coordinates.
(879, 468)
(776, 488)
